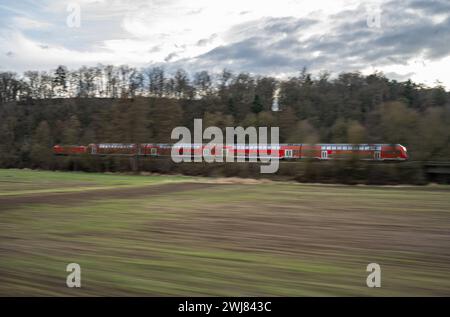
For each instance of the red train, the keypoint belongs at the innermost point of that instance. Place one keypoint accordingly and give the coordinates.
(69, 149)
(377, 152)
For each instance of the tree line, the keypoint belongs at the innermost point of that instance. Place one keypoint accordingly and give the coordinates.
(123, 104)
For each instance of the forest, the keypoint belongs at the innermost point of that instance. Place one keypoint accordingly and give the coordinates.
(122, 104)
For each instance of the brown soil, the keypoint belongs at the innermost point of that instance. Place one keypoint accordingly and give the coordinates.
(7, 202)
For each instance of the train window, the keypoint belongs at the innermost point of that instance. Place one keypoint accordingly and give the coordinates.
(333, 147)
(153, 151)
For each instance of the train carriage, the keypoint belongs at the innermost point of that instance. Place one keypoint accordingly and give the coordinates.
(69, 149)
(376, 152)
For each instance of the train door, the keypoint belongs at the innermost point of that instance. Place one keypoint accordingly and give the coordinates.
(93, 149)
(153, 151)
(377, 155)
(324, 155)
(288, 154)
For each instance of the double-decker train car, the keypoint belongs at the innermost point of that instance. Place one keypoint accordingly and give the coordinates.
(376, 152)
(69, 149)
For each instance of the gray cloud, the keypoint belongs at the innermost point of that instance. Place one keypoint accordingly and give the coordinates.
(409, 30)
(207, 41)
(431, 6)
(170, 57)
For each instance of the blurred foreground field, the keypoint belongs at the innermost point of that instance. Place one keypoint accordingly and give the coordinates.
(176, 235)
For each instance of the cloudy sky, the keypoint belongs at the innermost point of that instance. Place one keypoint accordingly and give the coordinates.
(402, 38)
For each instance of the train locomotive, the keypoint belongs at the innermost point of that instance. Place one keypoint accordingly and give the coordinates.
(375, 152)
